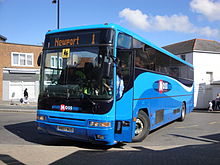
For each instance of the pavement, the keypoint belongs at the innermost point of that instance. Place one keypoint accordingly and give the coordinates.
(16, 106)
(206, 111)
(31, 107)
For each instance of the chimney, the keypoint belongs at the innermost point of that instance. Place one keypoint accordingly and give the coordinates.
(2, 38)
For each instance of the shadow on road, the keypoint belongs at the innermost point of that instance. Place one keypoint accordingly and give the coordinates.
(208, 154)
(7, 159)
(203, 154)
(28, 132)
(215, 138)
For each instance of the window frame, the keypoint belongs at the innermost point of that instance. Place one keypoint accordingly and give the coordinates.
(126, 49)
(55, 58)
(19, 59)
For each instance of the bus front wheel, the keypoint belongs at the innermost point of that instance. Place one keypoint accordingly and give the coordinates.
(142, 127)
(183, 112)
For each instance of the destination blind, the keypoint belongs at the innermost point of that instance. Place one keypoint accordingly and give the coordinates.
(79, 38)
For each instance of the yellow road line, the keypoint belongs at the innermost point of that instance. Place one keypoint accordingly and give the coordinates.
(214, 122)
(190, 126)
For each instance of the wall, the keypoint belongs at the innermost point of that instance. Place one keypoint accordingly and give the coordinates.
(205, 62)
(5, 55)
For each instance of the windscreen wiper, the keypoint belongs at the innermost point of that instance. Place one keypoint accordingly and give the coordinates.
(84, 95)
(94, 104)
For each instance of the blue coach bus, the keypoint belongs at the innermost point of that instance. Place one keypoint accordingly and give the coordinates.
(105, 84)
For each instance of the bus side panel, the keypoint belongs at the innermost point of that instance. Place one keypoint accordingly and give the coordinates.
(190, 103)
(161, 96)
(124, 115)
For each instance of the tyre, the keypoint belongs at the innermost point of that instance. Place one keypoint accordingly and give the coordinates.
(183, 112)
(142, 127)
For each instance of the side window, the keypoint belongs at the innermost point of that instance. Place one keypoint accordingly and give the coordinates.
(190, 73)
(149, 58)
(176, 69)
(124, 41)
(124, 68)
(162, 63)
(145, 55)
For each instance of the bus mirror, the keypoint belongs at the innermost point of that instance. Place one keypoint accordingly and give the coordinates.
(107, 69)
(39, 59)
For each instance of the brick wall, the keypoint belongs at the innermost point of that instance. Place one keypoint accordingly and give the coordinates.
(5, 57)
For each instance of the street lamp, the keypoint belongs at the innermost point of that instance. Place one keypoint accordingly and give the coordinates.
(58, 12)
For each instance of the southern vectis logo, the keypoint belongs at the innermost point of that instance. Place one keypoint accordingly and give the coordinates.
(64, 107)
(162, 86)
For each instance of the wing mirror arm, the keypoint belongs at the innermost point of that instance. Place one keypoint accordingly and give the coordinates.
(39, 59)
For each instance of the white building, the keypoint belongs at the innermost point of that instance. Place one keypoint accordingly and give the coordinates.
(205, 56)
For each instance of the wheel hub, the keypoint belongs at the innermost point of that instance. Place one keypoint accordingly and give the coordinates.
(139, 127)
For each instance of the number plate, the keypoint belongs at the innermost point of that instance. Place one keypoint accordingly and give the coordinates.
(65, 129)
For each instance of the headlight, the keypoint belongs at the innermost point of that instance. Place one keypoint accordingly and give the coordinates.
(94, 124)
(41, 117)
(99, 124)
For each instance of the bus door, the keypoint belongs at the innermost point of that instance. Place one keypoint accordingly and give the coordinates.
(124, 95)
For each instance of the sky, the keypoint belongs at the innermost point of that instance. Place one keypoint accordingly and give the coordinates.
(162, 22)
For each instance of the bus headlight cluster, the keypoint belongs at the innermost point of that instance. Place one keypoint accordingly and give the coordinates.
(41, 117)
(99, 124)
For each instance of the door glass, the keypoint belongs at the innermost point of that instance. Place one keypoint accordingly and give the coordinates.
(124, 56)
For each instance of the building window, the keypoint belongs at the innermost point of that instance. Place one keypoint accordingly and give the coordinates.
(54, 62)
(209, 77)
(22, 59)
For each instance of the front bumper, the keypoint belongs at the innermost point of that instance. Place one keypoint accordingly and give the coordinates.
(81, 133)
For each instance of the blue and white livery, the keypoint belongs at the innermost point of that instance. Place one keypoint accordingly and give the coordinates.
(80, 96)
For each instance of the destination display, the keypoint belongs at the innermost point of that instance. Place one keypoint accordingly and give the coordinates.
(79, 38)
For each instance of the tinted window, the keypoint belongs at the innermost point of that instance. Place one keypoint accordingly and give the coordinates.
(154, 60)
(145, 56)
(124, 41)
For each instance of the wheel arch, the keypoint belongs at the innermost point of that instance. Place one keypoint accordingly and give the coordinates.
(145, 110)
(144, 118)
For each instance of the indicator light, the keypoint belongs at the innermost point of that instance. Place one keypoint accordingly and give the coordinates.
(99, 124)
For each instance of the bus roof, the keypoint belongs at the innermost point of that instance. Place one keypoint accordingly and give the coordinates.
(121, 29)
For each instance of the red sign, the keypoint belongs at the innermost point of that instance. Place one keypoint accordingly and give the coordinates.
(160, 86)
(62, 107)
